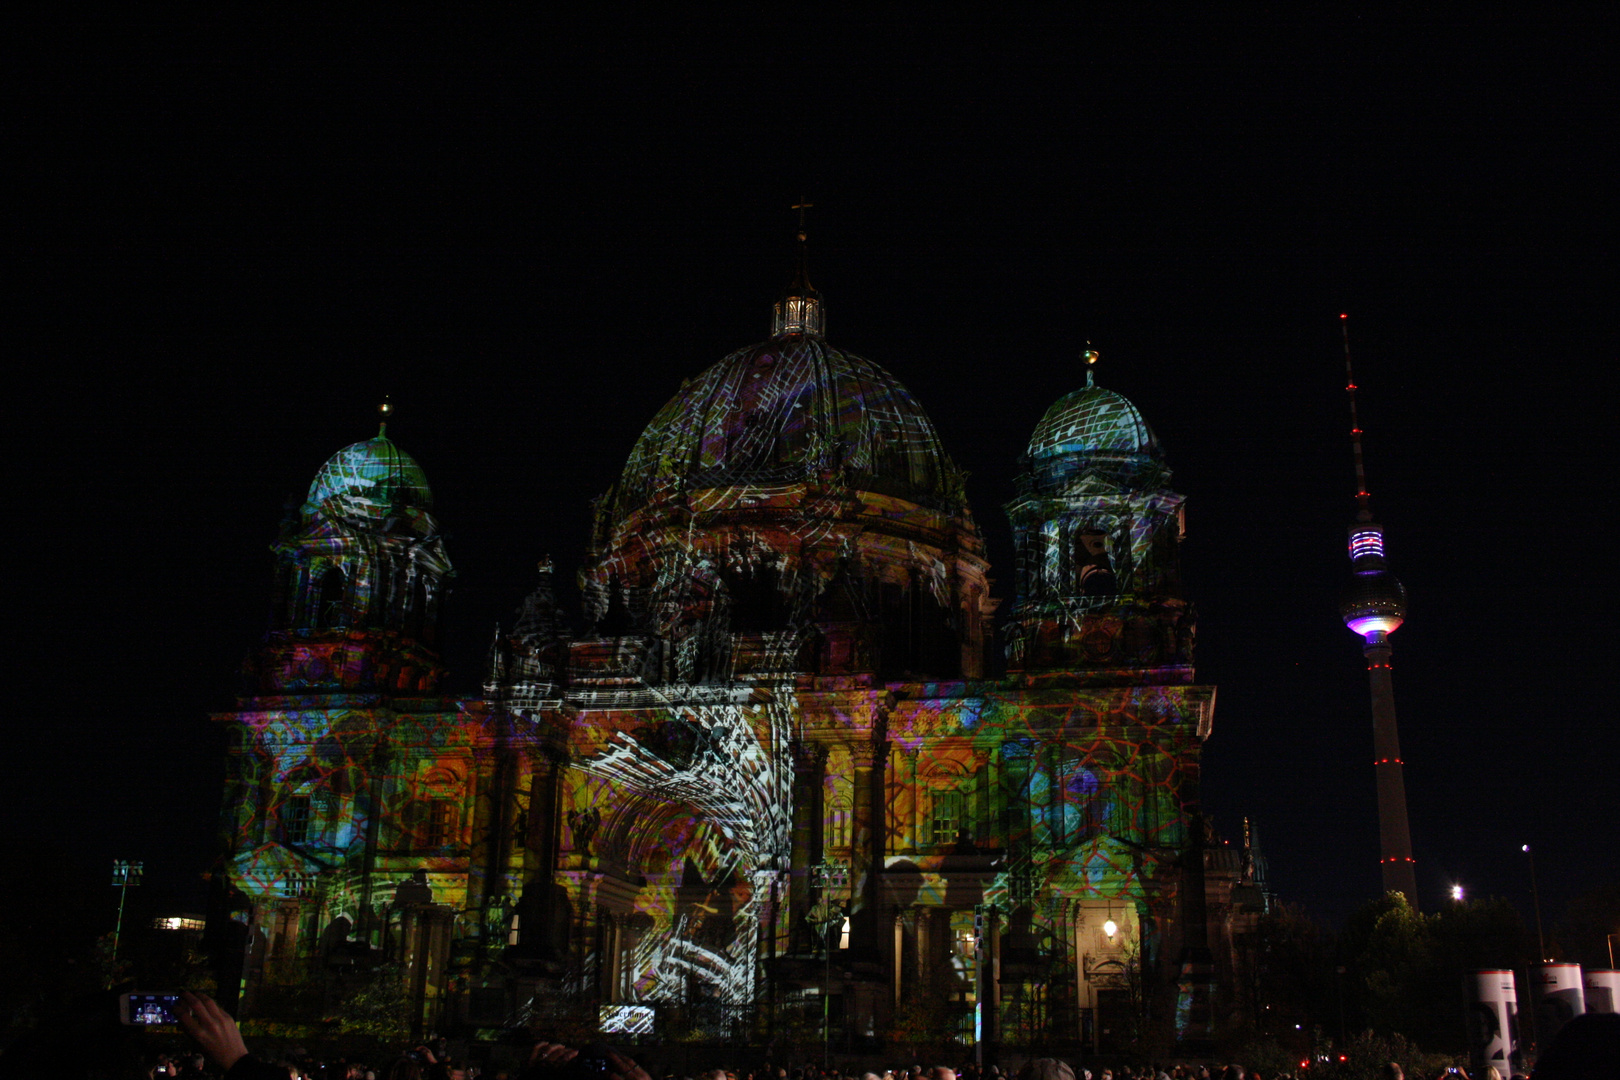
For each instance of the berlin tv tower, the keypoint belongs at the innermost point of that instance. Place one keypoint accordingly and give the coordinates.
(1374, 606)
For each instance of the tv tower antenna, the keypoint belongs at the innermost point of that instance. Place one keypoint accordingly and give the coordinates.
(1374, 606)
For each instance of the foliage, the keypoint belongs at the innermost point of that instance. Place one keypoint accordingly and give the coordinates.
(285, 1030)
(1294, 973)
(1268, 1057)
(378, 1007)
(115, 967)
(1583, 931)
(1396, 967)
(1367, 1053)
(1393, 971)
(1412, 974)
(926, 1019)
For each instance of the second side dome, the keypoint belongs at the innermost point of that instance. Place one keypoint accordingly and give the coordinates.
(1092, 420)
(374, 483)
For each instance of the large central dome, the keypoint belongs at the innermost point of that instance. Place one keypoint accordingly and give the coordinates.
(789, 509)
(790, 410)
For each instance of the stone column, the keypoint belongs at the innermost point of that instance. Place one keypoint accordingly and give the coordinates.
(900, 835)
(992, 979)
(866, 844)
(809, 767)
(540, 921)
(922, 929)
(897, 978)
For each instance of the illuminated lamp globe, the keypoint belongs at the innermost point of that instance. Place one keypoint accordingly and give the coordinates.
(1374, 603)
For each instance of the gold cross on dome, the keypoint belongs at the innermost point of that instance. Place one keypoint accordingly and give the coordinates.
(801, 206)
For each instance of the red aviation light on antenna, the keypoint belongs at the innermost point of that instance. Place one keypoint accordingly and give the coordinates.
(1344, 316)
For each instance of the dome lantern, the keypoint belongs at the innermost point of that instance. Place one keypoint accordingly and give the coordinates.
(799, 312)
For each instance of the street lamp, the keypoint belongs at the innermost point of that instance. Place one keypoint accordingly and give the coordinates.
(1457, 893)
(1535, 893)
(125, 874)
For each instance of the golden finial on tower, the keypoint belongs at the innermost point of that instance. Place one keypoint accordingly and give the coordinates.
(1090, 356)
(801, 206)
(385, 410)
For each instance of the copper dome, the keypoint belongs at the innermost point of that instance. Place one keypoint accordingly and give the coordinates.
(790, 410)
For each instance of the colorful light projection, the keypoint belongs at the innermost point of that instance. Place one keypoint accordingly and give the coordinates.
(361, 575)
(313, 791)
(690, 827)
(1097, 533)
(695, 803)
(782, 508)
(783, 669)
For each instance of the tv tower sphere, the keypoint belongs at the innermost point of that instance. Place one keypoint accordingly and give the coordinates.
(1374, 606)
(1374, 601)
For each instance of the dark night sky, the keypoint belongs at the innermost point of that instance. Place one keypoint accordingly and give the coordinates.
(234, 237)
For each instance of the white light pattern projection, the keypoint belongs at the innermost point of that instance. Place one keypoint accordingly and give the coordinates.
(722, 781)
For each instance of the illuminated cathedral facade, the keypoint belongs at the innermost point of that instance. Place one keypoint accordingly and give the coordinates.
(772, 776)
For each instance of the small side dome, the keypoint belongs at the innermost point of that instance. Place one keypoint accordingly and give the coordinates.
(372, 483)
(1092, 421)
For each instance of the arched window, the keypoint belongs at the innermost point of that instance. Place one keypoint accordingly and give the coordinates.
(1093, 571)
(379, 606)
(329, 611)
(418, 622)
(756, 600)
(1082, 801)
(840, 816)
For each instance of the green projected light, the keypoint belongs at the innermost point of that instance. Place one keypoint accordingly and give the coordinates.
(774, 763)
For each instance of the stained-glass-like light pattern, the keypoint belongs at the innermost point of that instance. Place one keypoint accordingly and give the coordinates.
(774, 737)
(790, 410)
(1092, 420)
(1097, 533)
(369, 481)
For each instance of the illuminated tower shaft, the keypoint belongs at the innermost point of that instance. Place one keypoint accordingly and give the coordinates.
(1375, 606)
(1394, 832)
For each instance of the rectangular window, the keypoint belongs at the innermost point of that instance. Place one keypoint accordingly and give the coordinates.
(295, 819)
(946, 820)
(436, 824)
(838, 822)
(299, 885)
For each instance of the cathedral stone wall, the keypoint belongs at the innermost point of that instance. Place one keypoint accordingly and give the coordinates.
(769, 766)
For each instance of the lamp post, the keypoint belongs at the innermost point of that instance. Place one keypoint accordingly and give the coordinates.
(125, 874)
(1535, 894)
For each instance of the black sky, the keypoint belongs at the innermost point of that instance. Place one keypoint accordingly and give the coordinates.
(233, 237)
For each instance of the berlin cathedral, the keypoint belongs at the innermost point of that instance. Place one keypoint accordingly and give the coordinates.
(792, 764)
